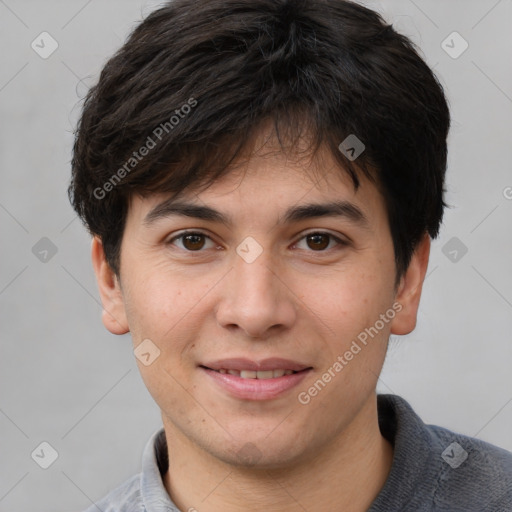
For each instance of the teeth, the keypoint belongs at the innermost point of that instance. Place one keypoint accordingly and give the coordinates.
(252, 374)
(248, 374)
(267, 374)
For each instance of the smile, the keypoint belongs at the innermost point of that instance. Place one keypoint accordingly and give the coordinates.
(255, 384)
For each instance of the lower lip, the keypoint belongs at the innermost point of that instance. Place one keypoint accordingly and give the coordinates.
(256, 389)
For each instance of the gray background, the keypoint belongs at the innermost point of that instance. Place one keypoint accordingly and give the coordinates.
(67, 381)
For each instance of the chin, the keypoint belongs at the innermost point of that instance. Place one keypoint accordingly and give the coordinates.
(259, 453)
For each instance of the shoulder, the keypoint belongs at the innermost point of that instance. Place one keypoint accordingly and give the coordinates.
(477, 472)
(124, 498)
(436, 469)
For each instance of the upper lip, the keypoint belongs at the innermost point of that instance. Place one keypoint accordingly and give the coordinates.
(241, 363)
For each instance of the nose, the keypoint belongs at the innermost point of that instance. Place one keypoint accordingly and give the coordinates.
(256, 298)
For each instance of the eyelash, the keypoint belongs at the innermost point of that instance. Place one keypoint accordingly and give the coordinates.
(339, 241)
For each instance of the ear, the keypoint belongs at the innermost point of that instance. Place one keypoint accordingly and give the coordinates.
(409, 290)
(114, 314)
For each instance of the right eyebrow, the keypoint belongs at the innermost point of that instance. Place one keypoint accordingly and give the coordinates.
(169, 208)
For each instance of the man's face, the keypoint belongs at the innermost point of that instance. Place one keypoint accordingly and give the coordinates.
(267, 284)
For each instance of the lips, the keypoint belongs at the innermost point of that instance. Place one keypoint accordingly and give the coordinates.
(256, 380)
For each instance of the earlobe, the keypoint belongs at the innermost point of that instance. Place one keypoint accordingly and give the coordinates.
(114, 314)
(410, 287)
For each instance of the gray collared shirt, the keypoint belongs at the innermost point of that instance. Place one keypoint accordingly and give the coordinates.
(434, 470)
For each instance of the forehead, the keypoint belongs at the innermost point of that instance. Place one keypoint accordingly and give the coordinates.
(273, 177)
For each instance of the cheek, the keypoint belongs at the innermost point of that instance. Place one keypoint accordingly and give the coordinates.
(154, 301)
(350, 301)
(169, 310)
(351, 308)
(162, 310)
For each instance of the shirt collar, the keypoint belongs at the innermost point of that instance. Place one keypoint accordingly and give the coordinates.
(155, 464)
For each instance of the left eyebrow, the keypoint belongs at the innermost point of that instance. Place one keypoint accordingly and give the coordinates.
(171, 208)
(332, 209)
(344, 209)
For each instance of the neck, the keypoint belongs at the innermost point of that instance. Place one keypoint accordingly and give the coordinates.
(347, 474)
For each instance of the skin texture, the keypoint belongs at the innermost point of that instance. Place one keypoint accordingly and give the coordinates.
(294, 301)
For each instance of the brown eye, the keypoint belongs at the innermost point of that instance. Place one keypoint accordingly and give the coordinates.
(318, 241)
(193, 242)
